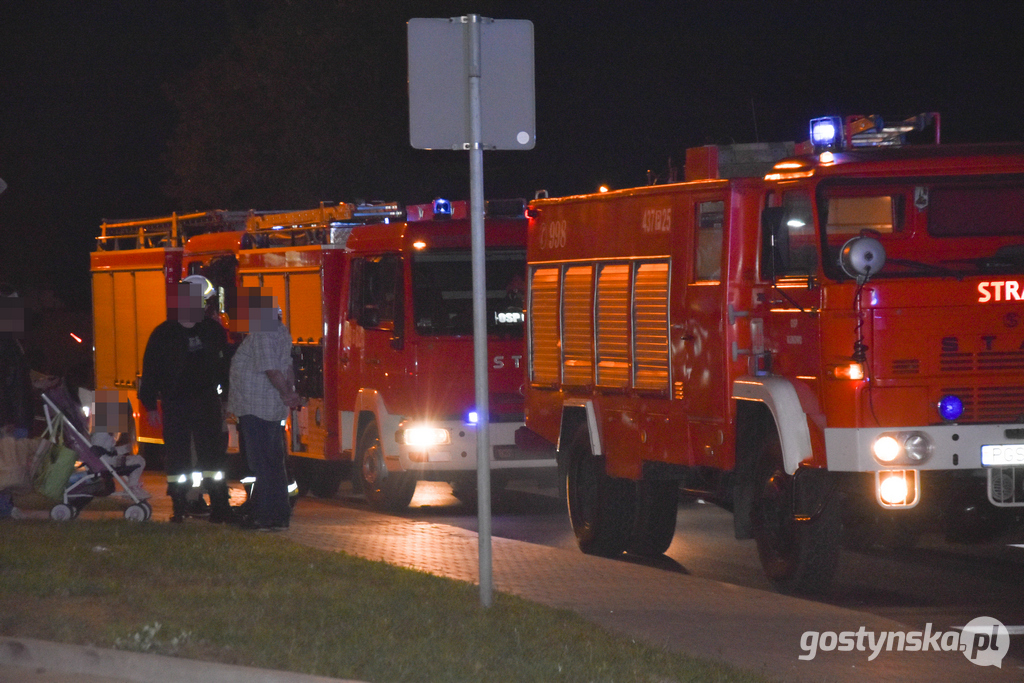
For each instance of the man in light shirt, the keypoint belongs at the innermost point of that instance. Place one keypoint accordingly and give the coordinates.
(262, 390)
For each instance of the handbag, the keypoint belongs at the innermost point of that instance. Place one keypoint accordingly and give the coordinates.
(55, 467)
(17, 462)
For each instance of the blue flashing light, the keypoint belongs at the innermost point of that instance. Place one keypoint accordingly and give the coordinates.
(827, 132)
(472, 417)
(950, 407)
(442, 208)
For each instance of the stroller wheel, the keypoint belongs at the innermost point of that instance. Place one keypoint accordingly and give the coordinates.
(136, 513)
(62, 512)
(147, 507)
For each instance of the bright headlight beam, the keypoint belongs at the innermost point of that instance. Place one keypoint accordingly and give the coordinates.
(423, 437)
(893, 490)
(886, 449)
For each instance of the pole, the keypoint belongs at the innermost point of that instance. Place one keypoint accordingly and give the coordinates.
(476, 207)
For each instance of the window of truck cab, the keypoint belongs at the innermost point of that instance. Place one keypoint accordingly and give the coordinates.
(375, 292)
(707, 258)
(948, 226)
(797, 247)
(442, 291)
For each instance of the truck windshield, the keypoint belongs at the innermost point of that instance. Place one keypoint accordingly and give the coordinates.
(443, 292)
(952, 227)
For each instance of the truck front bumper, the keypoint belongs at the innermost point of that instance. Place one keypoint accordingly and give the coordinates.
(896, 456)
(459, 454)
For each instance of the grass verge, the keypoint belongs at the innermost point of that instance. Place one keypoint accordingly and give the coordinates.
(218, 594)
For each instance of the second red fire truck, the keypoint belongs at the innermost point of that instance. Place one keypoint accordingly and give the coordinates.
(378, 302)
(824, 338)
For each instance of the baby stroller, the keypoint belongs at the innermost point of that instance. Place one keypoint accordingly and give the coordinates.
(95, 478)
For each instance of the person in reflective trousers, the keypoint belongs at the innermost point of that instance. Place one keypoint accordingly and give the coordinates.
(183, 366)
(261, 391)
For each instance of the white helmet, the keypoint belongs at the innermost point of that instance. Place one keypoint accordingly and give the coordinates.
(207, 287)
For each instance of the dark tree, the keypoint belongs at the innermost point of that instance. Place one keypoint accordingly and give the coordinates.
(304, 106)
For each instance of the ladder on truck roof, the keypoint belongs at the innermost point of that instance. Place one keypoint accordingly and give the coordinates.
(324, 225)
(264, 227)
(168, 231)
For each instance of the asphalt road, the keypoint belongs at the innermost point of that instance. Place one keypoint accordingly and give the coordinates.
(934, 582)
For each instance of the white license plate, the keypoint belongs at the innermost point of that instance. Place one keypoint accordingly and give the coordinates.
(1002, 455)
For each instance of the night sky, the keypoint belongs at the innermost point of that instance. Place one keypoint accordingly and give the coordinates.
(85, 120)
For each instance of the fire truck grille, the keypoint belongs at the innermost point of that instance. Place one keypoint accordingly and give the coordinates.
(984, 361)
(990, 404)
(956, 362)
(906, 366)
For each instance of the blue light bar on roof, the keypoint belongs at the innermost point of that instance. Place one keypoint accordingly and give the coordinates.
(827, 133)
(442, 208)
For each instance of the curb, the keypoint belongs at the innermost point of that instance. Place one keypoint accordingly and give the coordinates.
(135, 667)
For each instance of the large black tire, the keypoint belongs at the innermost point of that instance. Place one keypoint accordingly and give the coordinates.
(797, 557)
(602, 509)
(657, 507)
(389, 491)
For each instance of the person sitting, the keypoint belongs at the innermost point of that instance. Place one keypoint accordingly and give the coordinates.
(113, 435)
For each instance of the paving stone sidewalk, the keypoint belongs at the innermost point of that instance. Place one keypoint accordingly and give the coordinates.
(756, 630)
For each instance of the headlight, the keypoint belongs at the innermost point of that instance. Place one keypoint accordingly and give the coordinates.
(886, 449)
(902, 448)
(423, 437)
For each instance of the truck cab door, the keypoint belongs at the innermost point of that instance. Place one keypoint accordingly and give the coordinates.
(790, 263)
(699, 328)
(377, 306)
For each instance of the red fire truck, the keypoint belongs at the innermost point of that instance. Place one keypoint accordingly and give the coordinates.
(380, 311)
(818, 337)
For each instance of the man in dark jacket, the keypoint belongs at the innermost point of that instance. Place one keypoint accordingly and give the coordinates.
(183, 366)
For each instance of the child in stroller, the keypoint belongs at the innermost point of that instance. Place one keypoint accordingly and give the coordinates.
(102, 464)
(113, 432)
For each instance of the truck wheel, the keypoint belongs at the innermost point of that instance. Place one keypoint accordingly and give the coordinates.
(657, 506)
(383, 490)
(601, 508)
(797, 557)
